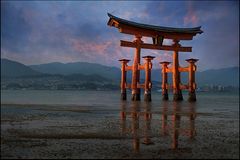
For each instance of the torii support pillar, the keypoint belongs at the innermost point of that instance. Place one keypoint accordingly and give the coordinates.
(123, 78)
(177, 93)
(191, 79)
(148, 83)
(164, 80)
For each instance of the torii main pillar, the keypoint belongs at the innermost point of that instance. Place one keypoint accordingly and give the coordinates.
(135, 70)
(177, 93)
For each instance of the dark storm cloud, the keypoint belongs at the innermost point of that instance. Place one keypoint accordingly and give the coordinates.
(41, 32)
(32, 30)
(14, 28)
(218, 46)
(220, 41)
(166, 13)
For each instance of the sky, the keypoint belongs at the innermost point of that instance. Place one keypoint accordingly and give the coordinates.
(36, 32)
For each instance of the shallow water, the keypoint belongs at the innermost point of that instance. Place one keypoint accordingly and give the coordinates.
(110, 100)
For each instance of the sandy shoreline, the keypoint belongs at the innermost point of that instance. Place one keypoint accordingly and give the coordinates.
(43, 132)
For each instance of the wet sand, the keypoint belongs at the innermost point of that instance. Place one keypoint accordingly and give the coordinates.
(78, 132)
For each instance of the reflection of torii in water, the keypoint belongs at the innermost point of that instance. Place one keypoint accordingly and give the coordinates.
(176, 130)
(176, 121)
(135, 114)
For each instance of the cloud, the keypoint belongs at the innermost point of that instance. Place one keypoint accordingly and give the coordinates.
(191, 17)
(166, 13)
(66, 31)
(132, 15)
(202, 12)
(84, 46)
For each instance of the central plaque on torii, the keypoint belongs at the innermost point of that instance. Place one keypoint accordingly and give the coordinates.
(158, 34)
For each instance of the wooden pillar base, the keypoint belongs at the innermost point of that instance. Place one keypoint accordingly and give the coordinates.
(147, 97)
(192, 97)
(124, 96)
(165, 96)
(136, 97)
(178, 96)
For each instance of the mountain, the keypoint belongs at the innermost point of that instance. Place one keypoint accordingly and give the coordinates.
(15, 69)
(15, 75)
(78, 68)
(224, 76)
(86, 78)
(59, 82)
(83, 71)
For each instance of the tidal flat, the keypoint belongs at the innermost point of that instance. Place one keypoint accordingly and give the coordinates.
(207, 129)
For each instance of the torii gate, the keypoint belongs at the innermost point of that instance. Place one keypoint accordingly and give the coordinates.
(158, 34)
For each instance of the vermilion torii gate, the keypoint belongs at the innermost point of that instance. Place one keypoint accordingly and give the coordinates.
(158, 34)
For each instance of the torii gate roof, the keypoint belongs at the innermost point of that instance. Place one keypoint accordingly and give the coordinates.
(130, 27)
